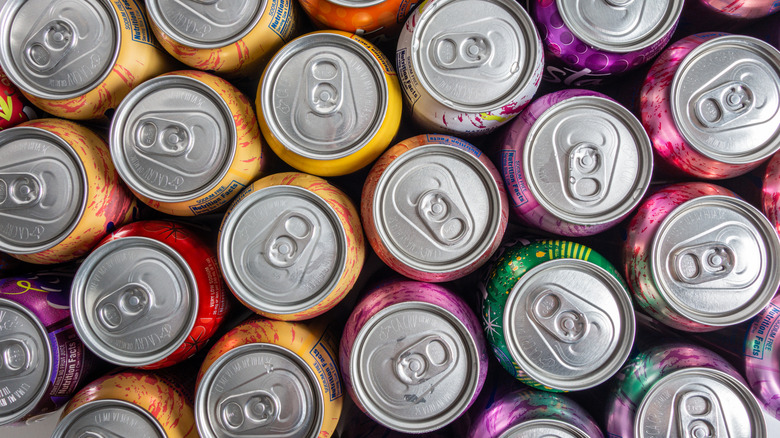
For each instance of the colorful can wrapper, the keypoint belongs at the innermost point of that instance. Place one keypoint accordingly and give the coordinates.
(762, 361)
(375, 20)
(13, 107)
(744, 9)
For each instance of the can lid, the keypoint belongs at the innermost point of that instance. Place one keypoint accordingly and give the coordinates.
(714, 260)
(699, 402)
(205, 24)
(58, 50)
(588, 160)
(569, 324)
(109, 418)
(43, 190)
(134, 301)
(475, 55)
(282, 249)
(437, 208)
(324, 96)
(726, 99)
(25, 361)
(259, 390)
(620, 26)
(173, 139)
(544, 428)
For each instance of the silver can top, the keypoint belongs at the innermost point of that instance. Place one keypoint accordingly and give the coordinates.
(134, 301)
(414, 367)
(695, 402)
(282, 249)
(109, 418)
(25, 361)
(726, 99)
(173, 139)
(259, 390)
(588, 160)
(620, 26)
(58, 49)
(569, 324)
(43, 190)
(437, 208)
(324, 96)
(714, 260)
(205, 24)
(544, 428)
(475, 55)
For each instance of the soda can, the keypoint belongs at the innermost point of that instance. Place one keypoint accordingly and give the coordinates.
(78, 60)
(412, 356)
(691, 242)
(375, 20)
(711, 105)
(229, 38)
(291, 246)
(149, 296)
(59, 191)
(272, 379)
(762, 364)
(187, 142)
(43, 361)
(575, 163)
(434, 208)
(13, 106)
(682, 388)
(745, 9)
(770, 193)
(329, 103)
(468, 66)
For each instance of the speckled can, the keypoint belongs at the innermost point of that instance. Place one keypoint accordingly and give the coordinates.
(14, 108)
(762, 360)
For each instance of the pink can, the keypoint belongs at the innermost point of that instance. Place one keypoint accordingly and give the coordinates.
(770, 195)
(740, 9)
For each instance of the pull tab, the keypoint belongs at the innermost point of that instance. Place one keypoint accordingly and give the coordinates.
(250, 410)
(288, 238)
(704, 262)
(119, 309)
(442, 217)
(618, 3)
(587, 173)
(15, 358)
(454, 51)
(324, 82)
(158, 136)
(699, 414)
(559, 317)
(724, 104)
(206, 2)
(50, 45)
(19, 190)
(423, 360)
(96, 432)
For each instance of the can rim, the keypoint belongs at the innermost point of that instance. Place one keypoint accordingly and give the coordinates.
(356, 3)
(83, 410)
(555, 423)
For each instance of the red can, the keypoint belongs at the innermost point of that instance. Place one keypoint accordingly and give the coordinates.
(13, 107)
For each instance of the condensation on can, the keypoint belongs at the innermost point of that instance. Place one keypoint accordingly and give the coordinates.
(375, 20)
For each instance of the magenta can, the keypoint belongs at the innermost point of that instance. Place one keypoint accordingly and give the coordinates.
(770, 195)
(711, 105)
(762, 360)
(413, 356)
(743, 9)
(586, 43)
(575, 163)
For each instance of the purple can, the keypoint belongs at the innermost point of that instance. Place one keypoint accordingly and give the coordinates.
(413, 356)
(762, 360)
(586, 42)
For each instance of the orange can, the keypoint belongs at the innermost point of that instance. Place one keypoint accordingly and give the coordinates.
(372, 19)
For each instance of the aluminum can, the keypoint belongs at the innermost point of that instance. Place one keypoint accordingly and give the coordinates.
(78, 60)
(329, 103)
(588, 42)
(362, 426)
(187, 142)
(770, 193)
(666, 390)
(291, 246)
(744, 9)
(130, 404)
(272, 379)
(690, 242)
(375, 20)
(762, 361)
(468, 66)
(711, 104)
(575, 163)
(149, 296)
(14, 108)
(43, 361)
(434, 208)
(59, 191)
(413, 356)
(234, 38)
(557, 315)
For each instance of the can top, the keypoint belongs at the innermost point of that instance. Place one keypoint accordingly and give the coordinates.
(475, 55)
(259, 390)
(713, 260)
(324, 96)
(699, 402)
(25, 360)
(205, 24)
(173, 139)
(620, 26)
(414, 367)
(588, 160)
(43, 190)
(726, 99)
(58, 50)
(282, 249)
(109, 418)
(544, 428)
(569, 324)
(134, 301)
(437, 208)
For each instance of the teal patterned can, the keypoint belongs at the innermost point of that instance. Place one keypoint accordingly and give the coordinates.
(557, 314)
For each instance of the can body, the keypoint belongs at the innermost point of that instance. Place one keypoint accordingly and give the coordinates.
(13, 107)
(770, 195)
(745, 9)
(762, 362)
(373, 20)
